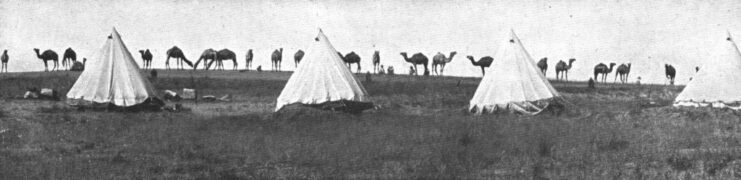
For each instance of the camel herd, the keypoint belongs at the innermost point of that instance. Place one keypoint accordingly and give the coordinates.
(211, 57)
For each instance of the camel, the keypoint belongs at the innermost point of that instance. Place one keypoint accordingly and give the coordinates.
(623, 71)
(176, 53)
(48, 55)
(670, 73)
(207, 55)
(248, 59)
(377, 62)
(484, 62)
(543, 65)
(440, 60)
(276, 58)
(71, 55)
(351, 58)
(697, 68)
(416, 59)
(225, 54)
(297, 57)
(602, 69)
(563, 70)
(4, 59)
(146, 58)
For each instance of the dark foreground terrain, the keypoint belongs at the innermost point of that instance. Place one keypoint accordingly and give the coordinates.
(421, 130)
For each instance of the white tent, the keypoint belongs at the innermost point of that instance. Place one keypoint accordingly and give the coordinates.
(321, 77)
(111, 77)
(512, 83)
(717, 83)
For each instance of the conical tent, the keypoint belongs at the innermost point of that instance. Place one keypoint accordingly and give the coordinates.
(321, 77)
(717, 83)
(513, 83)
(112, 77)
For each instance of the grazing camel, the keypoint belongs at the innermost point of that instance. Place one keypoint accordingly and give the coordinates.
(297, 57)
(349, 59)
(248, 59)
(377, 62)
(416, 59)
(670, 73)
(48, 55)
(602, 69)
(224, 54)
(543, 65)
(177, 53)
(4, 59)
(484, 62)
(208, 56)
(277, 58)
(146, 58)
(563, 70)
(623, 71)
(68, 58)
(440, 60)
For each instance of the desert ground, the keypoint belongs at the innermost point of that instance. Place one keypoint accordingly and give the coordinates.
(421, 130)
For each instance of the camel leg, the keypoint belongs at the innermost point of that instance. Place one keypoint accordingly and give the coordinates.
(615, 80)
(482, 71)
(567, 75)
(167, 63)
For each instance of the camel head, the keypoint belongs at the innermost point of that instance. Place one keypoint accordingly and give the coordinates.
(471, 58)
(36, 49)
(571, 60)
(612, 64)
(141, 51)
(629, 65)
(404, 54)
(5, 51)
(281, 50)
(452, 54)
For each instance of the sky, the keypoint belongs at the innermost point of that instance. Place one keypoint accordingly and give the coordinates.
(647, 34)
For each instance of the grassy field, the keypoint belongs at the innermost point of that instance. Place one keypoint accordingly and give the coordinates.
(421, 131)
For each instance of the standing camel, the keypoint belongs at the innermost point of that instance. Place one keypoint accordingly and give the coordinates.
(602, 69)
(276, 58)
(440, 60)
(543, 65)
(484, 62)
(48, 55)
(248, 59)
(208, 55)
(224, 54)
(623, 71)
(297, 57)
(416, 59)
(563, 70)
(4, 59)
(176, 53)
(377, 62)
(670, 73)
(71, 55)
(146, 58)
(349, 59)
